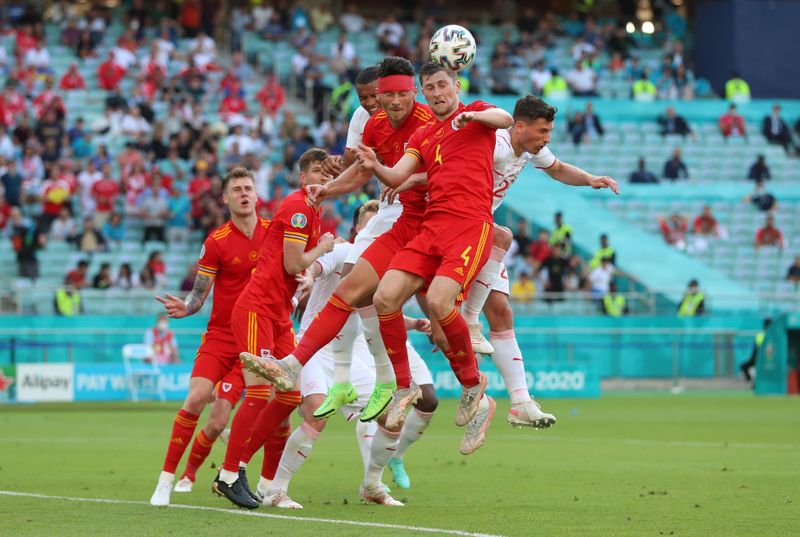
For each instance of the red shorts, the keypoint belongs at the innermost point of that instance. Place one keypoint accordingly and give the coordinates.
(216, 356)
(261, 335)
(231, 386)
(380, 253)
(448, 248)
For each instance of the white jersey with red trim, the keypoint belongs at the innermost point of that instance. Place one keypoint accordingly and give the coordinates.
(324, 285)
(507, 166)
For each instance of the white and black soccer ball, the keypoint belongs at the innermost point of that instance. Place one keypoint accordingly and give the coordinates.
(453, 47)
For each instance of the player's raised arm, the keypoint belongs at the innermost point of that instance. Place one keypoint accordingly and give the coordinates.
(574, 176)
(495, 118)
(296, 260)
(177, 308)
(391, 177)
(349, 180)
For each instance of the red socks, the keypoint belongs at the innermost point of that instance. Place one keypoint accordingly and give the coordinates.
(269, 420)
(457, 333)
(273, 450)
(254, 400)
(393, 332)
(200, 450)
(182, 431)
(327, 324)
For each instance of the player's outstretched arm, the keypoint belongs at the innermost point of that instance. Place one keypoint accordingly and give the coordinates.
(574, 176)
(177, 308)
(416, 179)
(349, 180)
(391, 177)
(495, 118)
(295, 260)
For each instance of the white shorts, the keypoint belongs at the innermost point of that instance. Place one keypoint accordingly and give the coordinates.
(419, 369)
(501, 283)
(377, 226)
(317, 376)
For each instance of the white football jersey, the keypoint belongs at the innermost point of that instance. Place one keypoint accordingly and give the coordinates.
(355, 130)
(325, 283)
(507, 165)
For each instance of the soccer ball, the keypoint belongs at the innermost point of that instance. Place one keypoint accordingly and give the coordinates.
(453, 47)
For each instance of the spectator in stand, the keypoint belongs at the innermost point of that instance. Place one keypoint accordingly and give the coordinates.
(342, 55)
(133, 124)
(499, 80)
(85, 47)
(577, 129)
(12, 182)
(793, 273)
(775, 129)
(600, 278)
(643, 89)
(562, 233)
(522, 237)
(672, 123)
(674, 230)
(188, 281)
(272, 97)
(72, 79)
(351, 20)
(605, 251)
(524, 288)
(759, 171)
(109, 74)
(614, 304)
(126, 279)
(163, 342)
(179, 212)
(155, 262)
(675, 168)
(763, 200)
(330, 220)
(540, 76)
(198, 187)
(389, 32)
(90, 240)
(105, 192)
(693, 302)
(153, 207)
(737, 90)
(39, 59)
(7, 150)
(553, 270)
(27, 240)
(594, 127)
(731, 123)
(67, 301)
(5, 215)
(642, 175)
(706, 225)
(574, 277)
(582, 80)
(77, 277)
(103, 280)
(769, 235)
(55, 194)
(64, 228)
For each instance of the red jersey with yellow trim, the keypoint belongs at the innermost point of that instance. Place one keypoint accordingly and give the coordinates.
(271, 288)
(390, 144)
(459, 165)
(229, 257)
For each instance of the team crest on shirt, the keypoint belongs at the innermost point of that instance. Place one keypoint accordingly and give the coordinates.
(299, 220)
(253, 255)
(226, 387)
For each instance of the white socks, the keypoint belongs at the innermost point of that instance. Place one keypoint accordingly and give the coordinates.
(342, 346)
(384, 372)
(482, 286)
(415, 424)
(507, 358)
(383, 447)
(228, 477)
(297, 450)
(365, 432)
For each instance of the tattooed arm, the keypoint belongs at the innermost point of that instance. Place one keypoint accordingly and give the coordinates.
(177, 308)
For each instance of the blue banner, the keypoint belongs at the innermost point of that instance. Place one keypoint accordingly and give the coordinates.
(110, 382)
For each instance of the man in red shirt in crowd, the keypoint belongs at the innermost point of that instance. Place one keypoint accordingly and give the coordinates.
(105, 192)
(227, 259)
(769, 235)
(56, 193)
(271, 96)
(77, 276)
(198, 186)
(109, 74)
(539, 249)
(261, 319)
(72, 79)
(457, 152)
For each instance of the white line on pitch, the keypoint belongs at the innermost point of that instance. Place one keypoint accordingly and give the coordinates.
(440, 531)
(641, 442)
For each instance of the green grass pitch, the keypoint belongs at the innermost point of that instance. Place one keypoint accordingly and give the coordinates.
(624, 465)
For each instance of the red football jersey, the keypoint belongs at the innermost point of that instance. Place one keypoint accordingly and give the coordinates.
(390, 144)
(229, 257)
(459, 165)
(271, 288)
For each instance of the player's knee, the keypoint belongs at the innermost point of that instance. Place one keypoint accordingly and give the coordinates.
(429, 401)
(502, 237)
(384, 303)
(196, 401)
(350, 290)
(215, 426)
(440, 305)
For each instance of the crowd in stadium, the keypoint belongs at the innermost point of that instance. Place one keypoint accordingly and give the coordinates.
(188, 112)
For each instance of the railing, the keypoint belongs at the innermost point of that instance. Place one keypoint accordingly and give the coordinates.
(39, 300)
